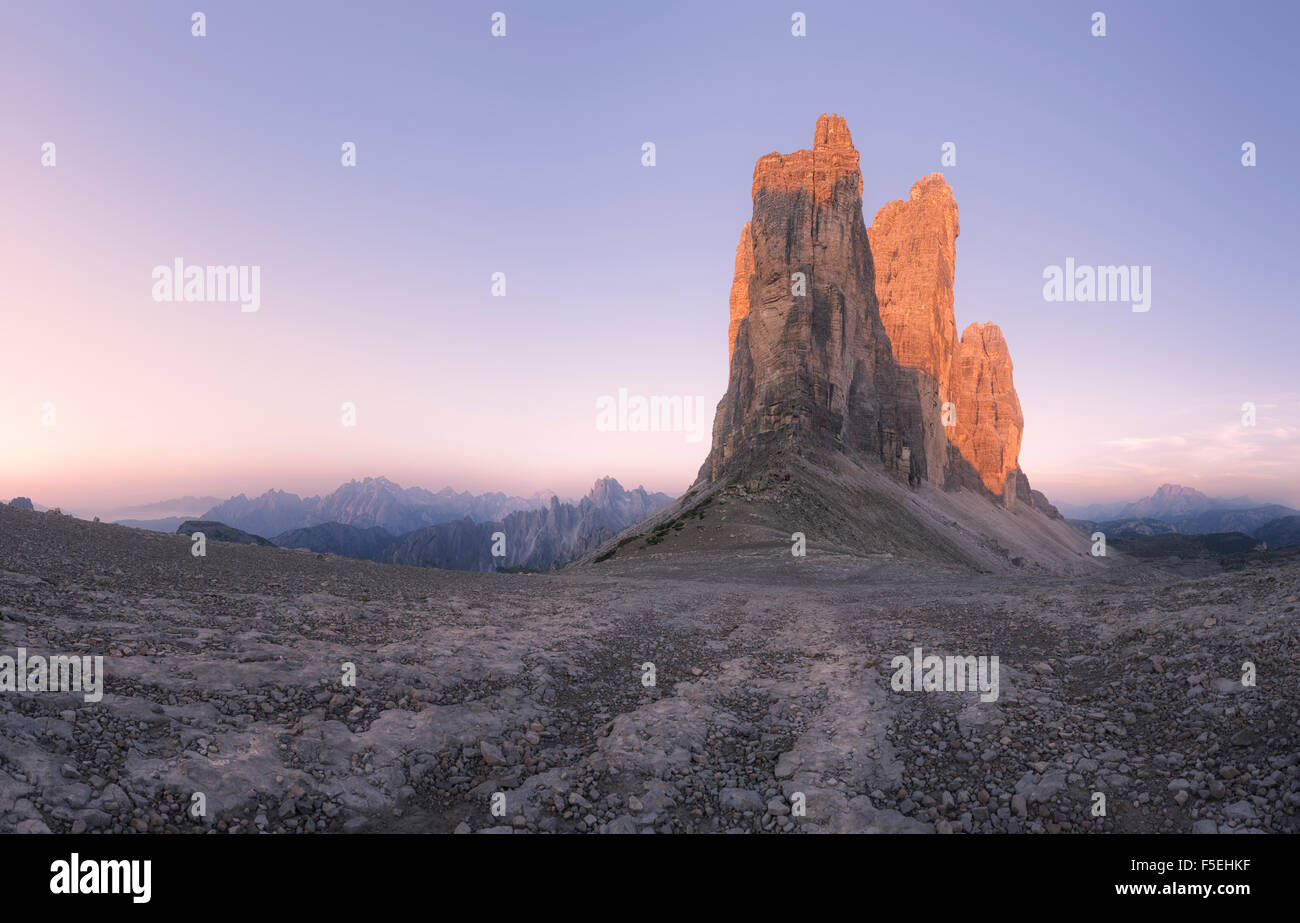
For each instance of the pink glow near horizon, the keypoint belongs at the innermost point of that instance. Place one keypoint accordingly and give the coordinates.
(139, 421)
(375, 279)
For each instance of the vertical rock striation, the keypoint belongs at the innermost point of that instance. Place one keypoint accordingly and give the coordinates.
(846, 336)
(988, 418)
(810, 360)
(740, 286)
(914, 245)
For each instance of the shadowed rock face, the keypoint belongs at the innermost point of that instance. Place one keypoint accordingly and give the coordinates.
(866, 356)
(810, 360)
(914, 246)
(534, 539)
(219, 532)
(914, 243)
(1280, 533)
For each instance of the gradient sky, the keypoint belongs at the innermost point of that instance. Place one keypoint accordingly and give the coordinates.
(523, 155)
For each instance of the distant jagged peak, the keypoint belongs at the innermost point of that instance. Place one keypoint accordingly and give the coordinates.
(380, 482)
(1171, 490)
(1169, 500)
(604, 486)
(608, 492)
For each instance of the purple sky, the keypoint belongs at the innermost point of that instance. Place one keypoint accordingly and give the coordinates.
(522, 155)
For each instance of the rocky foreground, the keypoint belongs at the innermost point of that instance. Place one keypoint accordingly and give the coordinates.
(224, 677)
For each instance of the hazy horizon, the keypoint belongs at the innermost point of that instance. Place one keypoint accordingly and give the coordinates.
(125, 511)
(522, 155)
(170, 507)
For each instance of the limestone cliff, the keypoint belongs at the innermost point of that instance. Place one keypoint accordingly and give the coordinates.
(740, 286)
(972, 418)
(914, 246)
(810, 360)
(849, 335)
(987, 418)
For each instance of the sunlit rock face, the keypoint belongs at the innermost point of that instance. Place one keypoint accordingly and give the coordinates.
(810, 360)
(847, 336)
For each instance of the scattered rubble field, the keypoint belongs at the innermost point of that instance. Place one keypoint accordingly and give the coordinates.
(771, 708)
